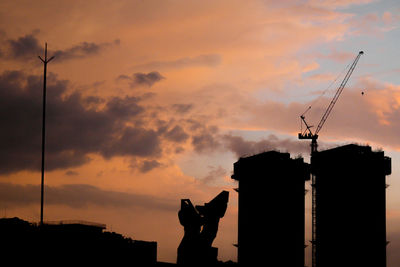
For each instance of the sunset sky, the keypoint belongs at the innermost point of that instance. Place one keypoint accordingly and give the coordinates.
(152, 101)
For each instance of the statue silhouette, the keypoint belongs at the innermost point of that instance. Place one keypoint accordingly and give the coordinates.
(201, 226)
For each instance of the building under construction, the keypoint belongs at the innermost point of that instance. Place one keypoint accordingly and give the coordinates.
(350, 206)
(271, 209)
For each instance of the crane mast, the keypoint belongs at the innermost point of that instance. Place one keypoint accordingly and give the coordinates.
(308, 134)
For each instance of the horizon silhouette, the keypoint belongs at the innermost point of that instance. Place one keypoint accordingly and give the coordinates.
(277, 239)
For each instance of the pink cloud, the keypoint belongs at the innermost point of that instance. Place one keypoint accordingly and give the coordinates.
(338, 3)
(322, 77)
(335, 55)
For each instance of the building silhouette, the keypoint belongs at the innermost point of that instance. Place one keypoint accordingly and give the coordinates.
(271, 209)
(350, 206)
(75, 243)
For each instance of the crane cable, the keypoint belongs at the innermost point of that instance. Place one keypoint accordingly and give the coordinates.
(326, 90)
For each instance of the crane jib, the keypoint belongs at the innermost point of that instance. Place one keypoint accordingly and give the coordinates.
(308, 134)
(338, 92)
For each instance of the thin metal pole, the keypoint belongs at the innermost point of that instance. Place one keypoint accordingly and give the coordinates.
(45, 61)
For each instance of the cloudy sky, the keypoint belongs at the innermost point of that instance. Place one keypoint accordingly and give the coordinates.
(152, 101)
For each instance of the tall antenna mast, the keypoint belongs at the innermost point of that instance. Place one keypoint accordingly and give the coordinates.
(45, 61)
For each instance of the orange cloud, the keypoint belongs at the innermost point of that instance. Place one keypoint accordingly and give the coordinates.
(384, 100)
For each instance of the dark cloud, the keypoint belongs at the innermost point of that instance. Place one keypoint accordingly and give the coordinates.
(182, 108)
(205, 142)
(148, 165)
(25, 47)
(214, 174)
(93, 100)
(77, 126)
(142, 79)
(208, 139)
(123, 77)
(73, 130)
(179, 150)
(71, 173)
(28, 47)
(79, 196)
(241, 147)
(147, 79)
(194, 125)
(2, 34)
(209, 60)
(204, 138)
(173, 131)
(176, 134)
(134, 142)
(81, 50)
(124, 107)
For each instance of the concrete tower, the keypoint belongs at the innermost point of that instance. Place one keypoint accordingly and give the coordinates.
(351, 206)
(271, 209)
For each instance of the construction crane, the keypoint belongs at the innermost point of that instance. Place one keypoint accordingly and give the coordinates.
(308, 134)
